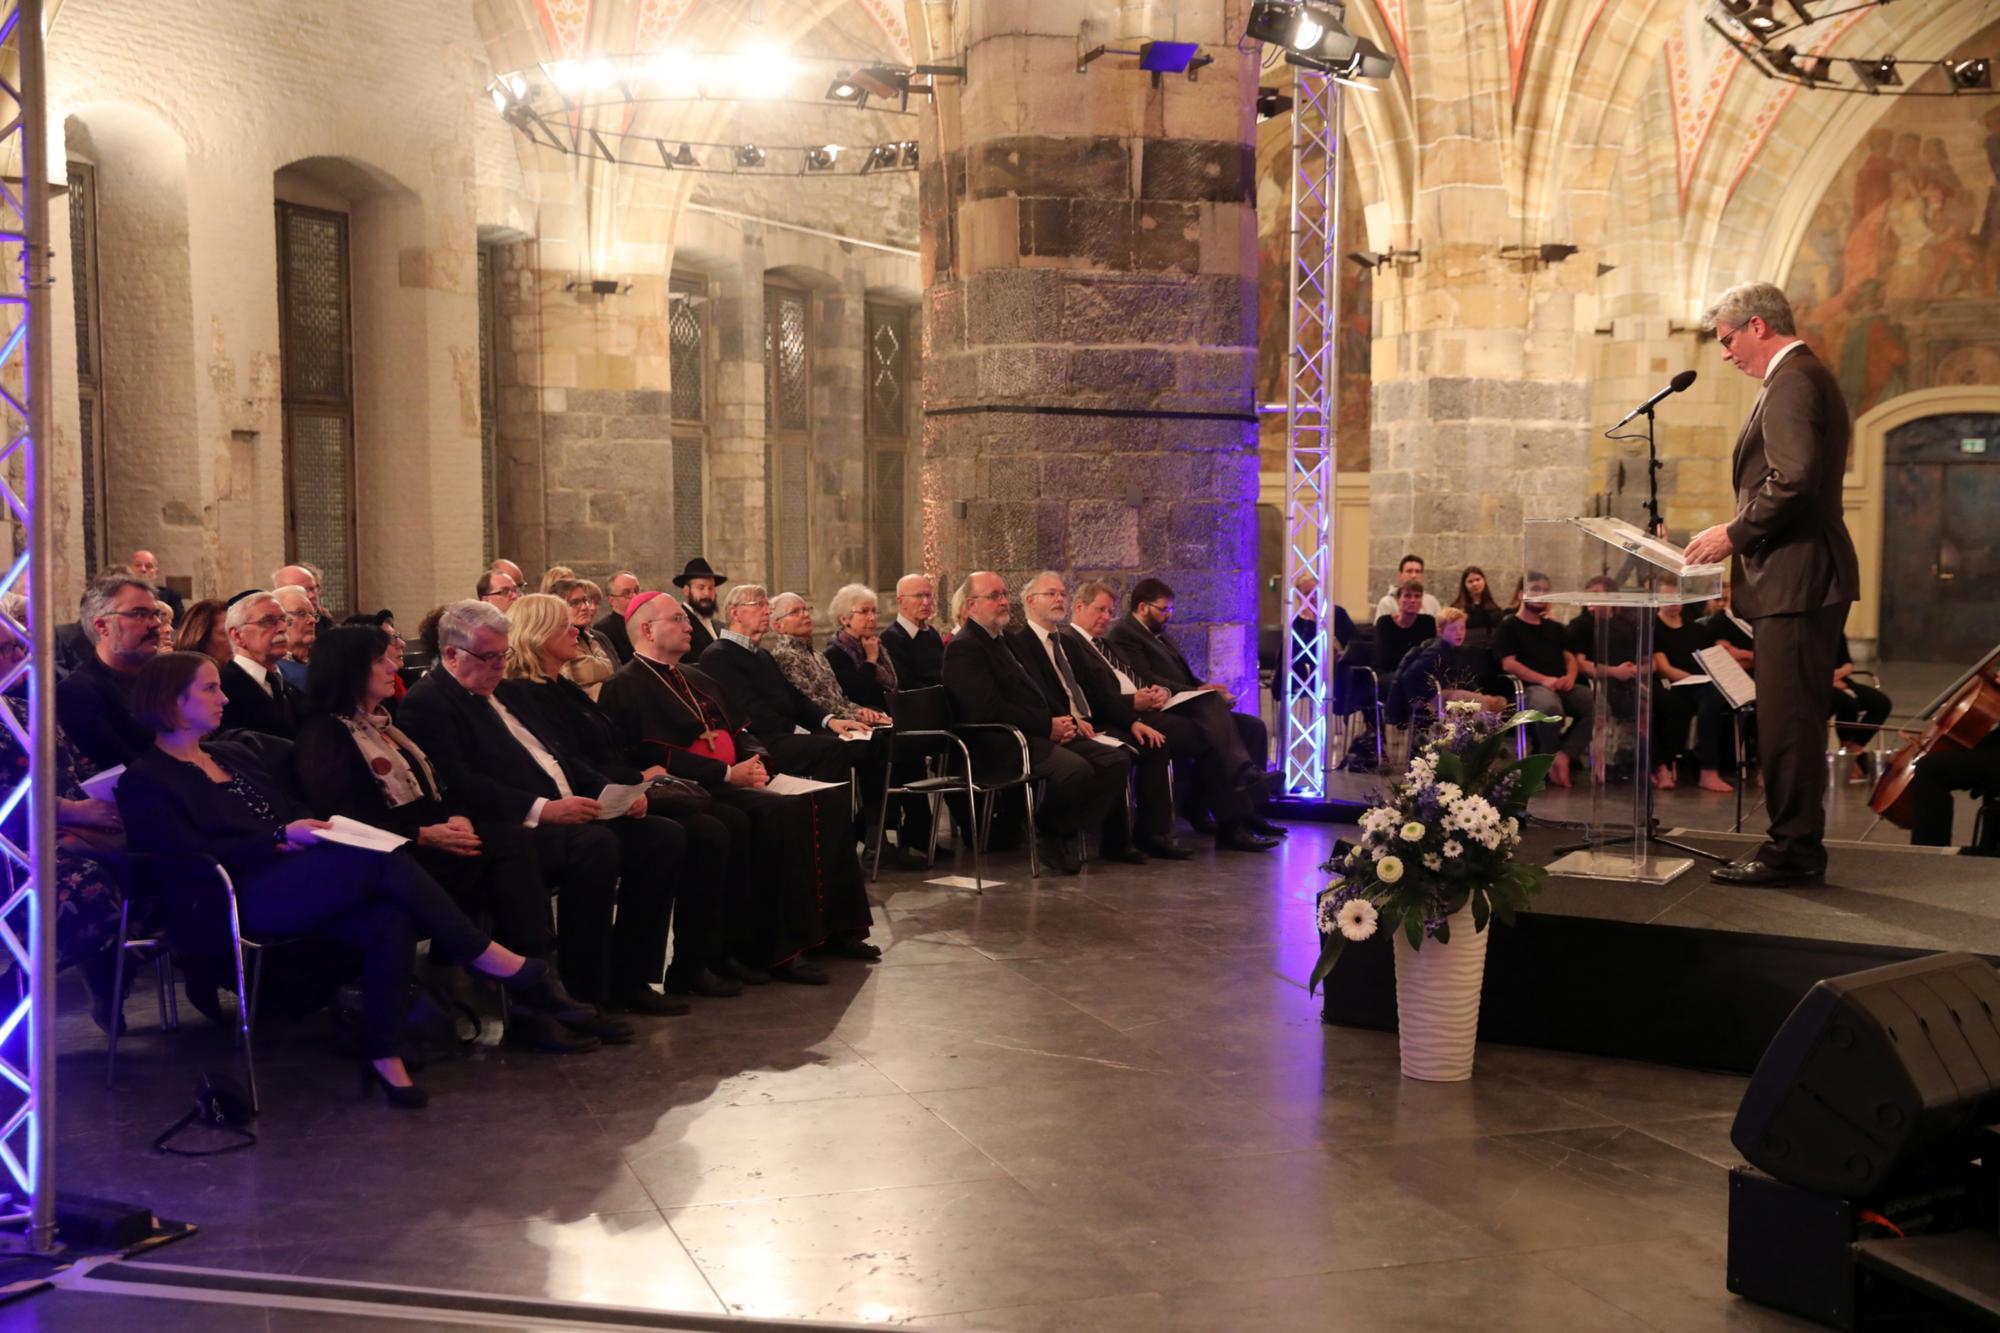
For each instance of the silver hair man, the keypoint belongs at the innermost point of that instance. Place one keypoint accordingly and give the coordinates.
(1751, 300)
(460, 622)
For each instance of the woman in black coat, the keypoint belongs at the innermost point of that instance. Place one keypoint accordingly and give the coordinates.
(186, 796)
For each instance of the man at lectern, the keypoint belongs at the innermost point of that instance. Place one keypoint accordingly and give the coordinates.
(1794, 571)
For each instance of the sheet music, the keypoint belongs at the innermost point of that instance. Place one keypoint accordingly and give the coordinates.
(785, 784)
(617, 798)
(1735, 683)
(103, 786)
(353, 833)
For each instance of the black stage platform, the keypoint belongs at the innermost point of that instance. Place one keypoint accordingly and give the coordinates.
(1692, 972)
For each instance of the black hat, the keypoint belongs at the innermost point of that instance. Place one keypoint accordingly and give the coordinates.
(697, 568)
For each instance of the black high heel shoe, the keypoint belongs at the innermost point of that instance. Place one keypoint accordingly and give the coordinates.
(411, 1098)
(536, 986)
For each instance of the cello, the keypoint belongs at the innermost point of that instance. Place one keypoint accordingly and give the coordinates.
(1959, 719)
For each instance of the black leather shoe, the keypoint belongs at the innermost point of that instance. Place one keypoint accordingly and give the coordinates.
(704, 983)
(800, 973)
(538, 1032)
(1167, 851)
(1201, 824)
(611, 1031)
(737, 970)
(1759, 874)
(649, 1002)
(1259, 824)
(1130, 856)
(846, 946)
(1241, 839)
(1063, 854)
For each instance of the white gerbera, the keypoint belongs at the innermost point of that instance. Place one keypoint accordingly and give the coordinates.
(1453, 847)
(1413, 832)
(1357, 918)
(1389, 869)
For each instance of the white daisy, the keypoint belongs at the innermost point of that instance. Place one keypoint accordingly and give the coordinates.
(1453, 847)
(1357, 919)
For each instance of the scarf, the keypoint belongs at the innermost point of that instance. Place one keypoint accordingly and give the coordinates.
(390, 753)
(885, 670)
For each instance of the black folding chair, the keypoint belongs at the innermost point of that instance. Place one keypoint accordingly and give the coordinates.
(924, 716)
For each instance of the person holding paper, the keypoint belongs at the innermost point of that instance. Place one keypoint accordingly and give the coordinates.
(1793, 569)
(186, 796)
(1683, 693)
(507, 771)
(1530, 646)
(351, 759)
(804, 737)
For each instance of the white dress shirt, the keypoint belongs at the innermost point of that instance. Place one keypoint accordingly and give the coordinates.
(256, 673)
(539, 753)
(1076, 705)
(910, 627)
(1126, 685)
(1783, 352)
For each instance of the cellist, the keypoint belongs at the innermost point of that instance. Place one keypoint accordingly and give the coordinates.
(1939, 777)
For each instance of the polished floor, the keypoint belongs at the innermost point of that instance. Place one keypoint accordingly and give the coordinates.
(1099, 1103)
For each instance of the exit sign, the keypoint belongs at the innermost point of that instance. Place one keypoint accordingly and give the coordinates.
(1972, 446)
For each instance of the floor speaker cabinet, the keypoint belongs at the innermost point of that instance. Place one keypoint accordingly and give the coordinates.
(1793, 1250)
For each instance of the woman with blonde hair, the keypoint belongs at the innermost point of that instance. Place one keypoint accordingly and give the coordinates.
(555, 574)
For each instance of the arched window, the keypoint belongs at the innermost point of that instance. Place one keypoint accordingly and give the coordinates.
(688, 348)
(788, 436)
(316, 346)
(887, 357)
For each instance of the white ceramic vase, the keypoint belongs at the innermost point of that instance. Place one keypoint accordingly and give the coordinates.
(1437, 1002)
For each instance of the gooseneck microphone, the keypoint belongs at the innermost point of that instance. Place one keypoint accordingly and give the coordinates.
(1674, 385)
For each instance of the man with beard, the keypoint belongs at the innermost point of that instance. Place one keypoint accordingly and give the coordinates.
(93, 702)
(800, 883)
(698, 583)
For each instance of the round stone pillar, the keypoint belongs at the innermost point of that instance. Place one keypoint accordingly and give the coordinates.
(1089, 252)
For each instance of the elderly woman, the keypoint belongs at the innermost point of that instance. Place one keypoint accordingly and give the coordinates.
(202, 630)
(686, 854)
(809, 673)
(191, 796)
(351, 759)
(595, 659)
(855, 652)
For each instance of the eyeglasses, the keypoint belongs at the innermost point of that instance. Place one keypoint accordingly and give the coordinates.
(1000, 595)
(759, 602)
(582, 601)
(1164, 608)
(509, 593)
(301, 615)
(678, 618)
(1731, 336)
(494, 658)
(266, 622)
(136, 613)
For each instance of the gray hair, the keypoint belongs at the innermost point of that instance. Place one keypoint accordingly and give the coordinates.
(460, 622)
(298, 595)
(1752, 300)
(782, 604)
(1041, 577)
(848, 600)
(959, 596)
(743, 592)
(239, 610)
(97, 602)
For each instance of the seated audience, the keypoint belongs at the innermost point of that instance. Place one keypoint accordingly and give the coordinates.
(301, 633)
(94, 702)
(795, 891)
(74, 644)
(385, 620)
(1406, 627)
(555, 574)
(186, 796)
(306, 578)
(915, 646)
(146, 565)
(1724, 626)
(1237, 741)
(1306, 627)
(1679, 697)
(166, 614)
(351, 759)
(620, 588)
(1483, 613)
(691, 844)
(1445, 667)
(1409, 567)
(202, 630)
(791, 646)
(698, 584)
(861, 665)
(506, 770)
(776, 710)
(1858, 710)
(497, 588)
(987, 683)
(1622, 634)
(1530, 647)
(595, 658)
(259, 698)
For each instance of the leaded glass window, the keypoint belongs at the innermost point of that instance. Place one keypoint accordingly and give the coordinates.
(687, 343)
(489, 401)
(887, 516)
(888, 369)
(689, 455)
(787, 422)
(89, 359)
(787, 361)
(315, 329)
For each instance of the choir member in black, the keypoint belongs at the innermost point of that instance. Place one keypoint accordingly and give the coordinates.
(352, 759)
(1396, 635)
(1483, 614)
(1621, 669)
(800, 882)
(1732, 631)
(190, 797)
(1530, 646)
(1446, 665)
(1858, 709)
(1676, 640)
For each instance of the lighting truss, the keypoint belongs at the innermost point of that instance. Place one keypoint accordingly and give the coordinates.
(27, 886)
(821, 160)
(1780, 49)
(1311, 429)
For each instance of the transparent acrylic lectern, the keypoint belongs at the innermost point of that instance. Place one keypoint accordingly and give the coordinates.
(1617, 573)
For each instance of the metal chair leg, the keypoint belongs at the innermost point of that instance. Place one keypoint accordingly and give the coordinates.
(118, 990)
(1034, 842)
(881, 828)
(246, 1004)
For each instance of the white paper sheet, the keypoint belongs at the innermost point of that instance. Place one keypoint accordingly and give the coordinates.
(786, 784)
(102, 786)
(1103, 739)
(1689, 680)
(1730, 678)
(617, 798)
(861, 736)
(1182, 698)
(353, 833)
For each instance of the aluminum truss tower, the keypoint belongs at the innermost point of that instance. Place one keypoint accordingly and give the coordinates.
(1311, 427)
(27, 911)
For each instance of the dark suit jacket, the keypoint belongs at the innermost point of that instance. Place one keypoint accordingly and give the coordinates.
(698, 636)
(476, 756)
(1152, 654)
(1027, 650)
(174, 809)
(611, 627)
(560, 709)
(859, 680)
(918, 662)
(332, 772)
(1793, 553)
(987, 683)
(73, 645)
(657, 726)
(1110, 706)
(250, 708)
(756, 688)
(93, 704)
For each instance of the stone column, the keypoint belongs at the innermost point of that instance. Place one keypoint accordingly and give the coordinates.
(1089, 246)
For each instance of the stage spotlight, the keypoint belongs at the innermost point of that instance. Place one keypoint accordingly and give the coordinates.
(1880, 73)
(1755, 16)
(1556, 253)
(1799, 8)
(882, 81)
(686, 158)
(1819, 69)
(1167, 57)
(823, 157)
(1271, 103)
(847, 91)
(881, 157)
(1368, 259)
(1972, 75)
(674, 73)
(910, 154)
(1272, 21)
(749, 155)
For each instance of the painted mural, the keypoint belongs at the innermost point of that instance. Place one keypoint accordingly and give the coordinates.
(1274, 304)
(1897, 284)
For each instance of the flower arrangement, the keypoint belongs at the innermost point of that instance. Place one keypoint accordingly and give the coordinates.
(1443, 839)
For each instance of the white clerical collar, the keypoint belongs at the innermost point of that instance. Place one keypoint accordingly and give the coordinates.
(255, 672)
(910, 627)
(1783, 352)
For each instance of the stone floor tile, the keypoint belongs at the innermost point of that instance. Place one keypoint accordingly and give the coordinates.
(1667, 1284)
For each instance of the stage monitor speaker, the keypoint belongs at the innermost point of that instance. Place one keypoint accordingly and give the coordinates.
(1873, 1071)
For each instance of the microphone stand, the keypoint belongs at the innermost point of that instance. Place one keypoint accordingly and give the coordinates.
(1652, 481)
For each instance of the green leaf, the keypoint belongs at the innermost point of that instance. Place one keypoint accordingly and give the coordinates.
(1481, 912)
(1329, 954)
(1443, 935)
(1503, 913)
(1413, 929)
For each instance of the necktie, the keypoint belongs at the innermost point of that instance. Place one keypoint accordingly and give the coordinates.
(1076, 703)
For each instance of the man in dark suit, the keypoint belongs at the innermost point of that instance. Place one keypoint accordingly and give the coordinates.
(146, 565)
(504, 770)
(987, 683)
(698, 584)
(94, 702)
(258, 697)
(775, 708)
(619, 590)
(914, 646)
(1794, 571)
(1237, 741)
